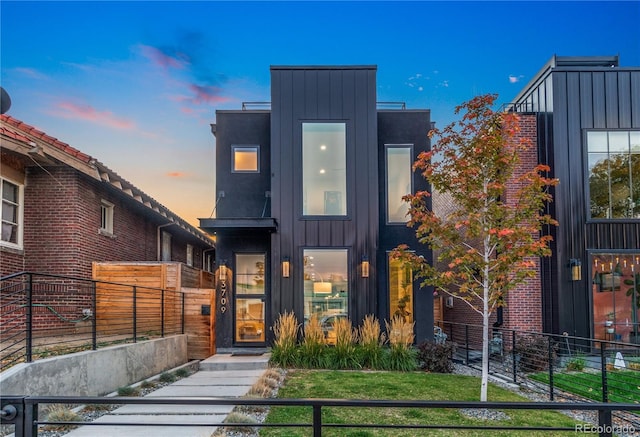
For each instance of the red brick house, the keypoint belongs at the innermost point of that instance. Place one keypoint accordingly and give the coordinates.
(63, 210)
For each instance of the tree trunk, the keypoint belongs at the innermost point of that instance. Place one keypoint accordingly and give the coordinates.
(485, 346)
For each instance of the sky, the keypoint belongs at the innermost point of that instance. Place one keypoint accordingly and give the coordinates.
(136, 84)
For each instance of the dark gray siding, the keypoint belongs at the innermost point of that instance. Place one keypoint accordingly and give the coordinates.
(403, 127)
(583, 98)
(324, 94)
(244, 193)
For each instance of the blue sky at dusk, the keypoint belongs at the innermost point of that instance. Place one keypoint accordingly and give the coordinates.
(136, 84)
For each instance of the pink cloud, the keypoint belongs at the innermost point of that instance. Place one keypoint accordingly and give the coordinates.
(162, 59)
(89, 113)
(206, 94)
(176, 174)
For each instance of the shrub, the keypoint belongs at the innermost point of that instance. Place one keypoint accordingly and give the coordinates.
(402, 356)
(61, 413)
(534, 352)
(148, 384)
(128, 391)
(313, 345)
(235, 417)
(182, 373)
(283, 352)
(167, 377)
(576, 364)
(436, 357)
(343, 354)
(371, 343)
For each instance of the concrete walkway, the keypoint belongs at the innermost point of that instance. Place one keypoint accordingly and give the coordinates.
(219, 376)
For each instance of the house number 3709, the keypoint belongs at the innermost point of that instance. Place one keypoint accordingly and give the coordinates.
(223, 296)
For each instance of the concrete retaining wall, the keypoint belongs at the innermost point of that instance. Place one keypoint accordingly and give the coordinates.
(95, 373)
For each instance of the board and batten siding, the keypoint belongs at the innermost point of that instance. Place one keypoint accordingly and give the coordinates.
(331, 94)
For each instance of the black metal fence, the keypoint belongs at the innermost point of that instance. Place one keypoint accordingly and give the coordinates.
(47, 315)
(22, 413)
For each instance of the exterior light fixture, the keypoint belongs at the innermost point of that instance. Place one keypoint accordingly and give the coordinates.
(286, 267)
(576, 269)
(223, 270)
(365, 266)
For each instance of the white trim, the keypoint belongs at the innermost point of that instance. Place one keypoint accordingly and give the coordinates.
(20, 218)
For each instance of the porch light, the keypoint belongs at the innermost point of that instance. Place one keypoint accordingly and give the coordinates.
(365, 266)
(286, 267)
(223, 270)
(576, 269)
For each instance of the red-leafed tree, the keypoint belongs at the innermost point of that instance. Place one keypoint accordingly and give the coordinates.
(489, 242)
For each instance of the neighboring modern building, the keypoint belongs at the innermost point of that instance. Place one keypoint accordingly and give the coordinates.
(309, 204)
(583, 114)
(62, 210)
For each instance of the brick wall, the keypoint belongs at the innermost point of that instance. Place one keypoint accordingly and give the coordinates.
(523, 310)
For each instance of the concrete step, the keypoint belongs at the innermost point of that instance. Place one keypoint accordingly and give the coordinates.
(235, 362)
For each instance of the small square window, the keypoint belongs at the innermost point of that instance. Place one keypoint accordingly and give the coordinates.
(245, 159)
(106, 217)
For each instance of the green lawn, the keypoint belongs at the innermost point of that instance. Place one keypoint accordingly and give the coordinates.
(401, 386)
(623, 385)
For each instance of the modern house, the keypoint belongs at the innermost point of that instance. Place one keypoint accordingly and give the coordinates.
(62, 210)
(583, 115)
(309, 204)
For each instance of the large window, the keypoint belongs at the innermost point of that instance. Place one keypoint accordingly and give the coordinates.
(324, 169)
(616, 296)
(400, 290)
(326, 287)
(398, 182)
(11, 213)
(614, 174)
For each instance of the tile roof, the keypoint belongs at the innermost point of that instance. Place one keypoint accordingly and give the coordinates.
(23, 132)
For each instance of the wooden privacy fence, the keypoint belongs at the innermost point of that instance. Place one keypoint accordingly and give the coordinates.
(153, 301)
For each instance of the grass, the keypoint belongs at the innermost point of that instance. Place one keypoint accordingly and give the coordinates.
(401, 386)
(623, 385)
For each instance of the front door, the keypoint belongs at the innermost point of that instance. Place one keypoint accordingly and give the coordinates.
(250, 294)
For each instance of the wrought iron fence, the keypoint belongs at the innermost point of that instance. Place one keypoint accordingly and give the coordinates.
(45, 315)
(22, 413)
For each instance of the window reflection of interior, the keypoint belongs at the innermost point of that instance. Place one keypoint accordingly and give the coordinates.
(250, 320)
(398, 183)
(245, 159)
(324, 172)
(326, 287)
(614, 174)
(400, 290)
(616, 296)
(250, 277)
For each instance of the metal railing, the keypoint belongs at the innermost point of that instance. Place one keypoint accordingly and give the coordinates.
(45, 315)
(23, 413)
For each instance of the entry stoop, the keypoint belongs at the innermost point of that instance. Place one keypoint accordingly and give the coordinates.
(236, 361)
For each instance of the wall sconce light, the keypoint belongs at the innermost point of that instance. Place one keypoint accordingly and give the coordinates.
(286, 267)
(576, 269)
(365, 266)
(223, 270)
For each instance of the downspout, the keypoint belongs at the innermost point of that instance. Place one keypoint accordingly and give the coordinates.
(158, 238)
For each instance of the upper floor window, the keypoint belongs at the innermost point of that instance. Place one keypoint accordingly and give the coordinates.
(324, 169)
(106, 217)
(245, 159)
(398, 182)
(189, 255)
(11, 214)
(166, 246)
(614, 174)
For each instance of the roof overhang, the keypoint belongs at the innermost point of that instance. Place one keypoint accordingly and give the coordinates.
(234, 225)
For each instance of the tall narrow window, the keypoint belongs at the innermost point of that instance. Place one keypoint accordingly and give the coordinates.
(398, 182)
(324, 169)
(245, 159)
(614, 174)
(250, 288)
(11, 214)
(106, 217)
(326, 287)
(166, 246)
(400, 290)
(189, 255)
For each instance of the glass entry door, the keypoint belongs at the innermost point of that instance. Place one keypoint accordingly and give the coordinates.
(250, 292)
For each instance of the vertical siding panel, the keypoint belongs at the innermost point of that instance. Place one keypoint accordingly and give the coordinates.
(335, 95)
(599, 109)
(624, 99)
(635, 99)
(586, 97)
(323, 233)
(310, 95)
(611, 99)
(324, 97)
